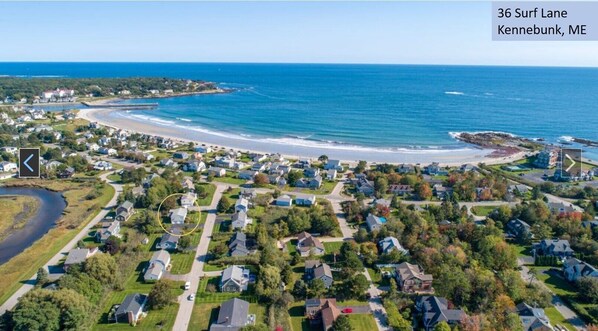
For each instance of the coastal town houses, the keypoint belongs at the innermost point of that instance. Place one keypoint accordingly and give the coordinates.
(6, 166)
(434, 310)
(233, 315)
(237, 245)
(333, 165)
(321, 313)
(247, 174)
(546, 159)
(102, 165)
(78, 256)
(124, 211)
(108, 228)
(242, 204)
(194, 166)
(234, 279)
(559, 248)
(400, 189)
(374, 222)
(389, 244)
(533, 319)
(412, 279)
(158, 265)
(308, 244)
(574, 269)
(314, 269)
(188, 200)
(132, 309)
(306, 201)
(168, 241)
(519, 230)
(240, 220)
(216, 172)
(284, 201)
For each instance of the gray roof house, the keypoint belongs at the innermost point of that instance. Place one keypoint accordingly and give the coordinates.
(388, 244)
(168, 241)
(77, 256)
(308, 244)
(305, 201)
(233, 316)
(435, 310)
(177, 216)
(555, 247)
(239, 220)
(315, 269)
(158, 264)
(242, 205)
(374, 222)
(519, 229)
(333, 164)
(108, 229)
(131, 309)
(284, 201)
(574, 269)
(124, 211)
(234, 279)
(533, 319)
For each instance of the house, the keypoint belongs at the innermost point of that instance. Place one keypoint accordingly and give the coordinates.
(188, 200)
(158, 264)
(177, 216)
(6, 166)
(284, 201)
(9, 149)
(131, 309)
(234, 279)
(78, 256)
(303, 164)
(558, 208)
(248, 193)
(382, 203)
(546, 159)
(242, 205)
(107, 151)
(258, 166)
(374, 222)
(405, 169)
(389, 244)
(331, 174)
(238, 244)
(533, 319)
(108, 229)
(315, 269)
(435, 310)
(311, 172)
(124, 211)
(216, 171)
(441, 192)
(188, 185)
(519, 230)
(168, 163)
(147, 181)
(434, 169)
(365, 186)
(333, 165)
(233, 316)
(180, 155)
(412, 279)
(247, 174)
(102, 165)
(194, 166)
(66, 173)
(225, 162)
(308, 244)
(574, 269)
(321, 312)
(467, 168)
(313, 183)
(275, 179)
(400, 189)
(306, 200)
(239, 220)
(518, 189)
(202, 149)
(555, 247)
(168, 241)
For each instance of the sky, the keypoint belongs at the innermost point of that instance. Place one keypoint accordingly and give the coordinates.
(292, 32)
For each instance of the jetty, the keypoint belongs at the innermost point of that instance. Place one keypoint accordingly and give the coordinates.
(123, 106)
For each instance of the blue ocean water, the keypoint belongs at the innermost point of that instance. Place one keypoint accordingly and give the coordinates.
(385, 106)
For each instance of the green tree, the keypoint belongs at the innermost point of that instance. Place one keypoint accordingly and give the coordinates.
(395, 319)
(224, 205)
(161, 295)
(323, 158)
(113, 245)
(342, 323)
(42, 277)
(442, 326)
(269, 280)
(184, 243)
(317, 288)
(102, 267)
(588, 289)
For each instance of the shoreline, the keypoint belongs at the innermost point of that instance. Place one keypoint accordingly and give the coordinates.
(294, 150)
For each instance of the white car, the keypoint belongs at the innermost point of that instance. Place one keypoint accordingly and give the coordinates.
(187, 285)
(191, 297)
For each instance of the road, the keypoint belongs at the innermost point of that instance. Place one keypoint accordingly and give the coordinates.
(375, 303)
(30, 283)
(185, 305)
(557, 302)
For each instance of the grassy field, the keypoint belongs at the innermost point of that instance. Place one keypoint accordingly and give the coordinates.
(16, 210)
(483, 210)
(78, 213)
(557, 319)
(230, 180)
(362, 322)
(217, 297)
(202, 316)
(333, 247)
(209, 189)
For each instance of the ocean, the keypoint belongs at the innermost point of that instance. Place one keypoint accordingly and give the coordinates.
(387, 107)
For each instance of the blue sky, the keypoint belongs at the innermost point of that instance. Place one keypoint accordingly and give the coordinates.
(322, 32)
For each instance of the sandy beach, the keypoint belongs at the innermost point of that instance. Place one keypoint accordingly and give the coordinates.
(292, 148)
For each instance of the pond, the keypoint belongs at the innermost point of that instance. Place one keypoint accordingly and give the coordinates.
(52, 204)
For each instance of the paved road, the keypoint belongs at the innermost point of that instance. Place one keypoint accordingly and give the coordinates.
(558, 303)
(376, 306)
(186, 306)
(30, 283)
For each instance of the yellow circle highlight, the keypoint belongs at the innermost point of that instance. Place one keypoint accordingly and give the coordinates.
(175, 234)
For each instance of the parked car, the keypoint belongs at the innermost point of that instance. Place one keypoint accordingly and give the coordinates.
(187, 285)
(347, 310)
(191, 297)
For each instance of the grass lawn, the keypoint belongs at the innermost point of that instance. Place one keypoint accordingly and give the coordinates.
(522, 250)
(77, 214)
(203, 314)
(182, 261)
(557, 319)
(483, 210)
(217, 297)
(326, 188)
(115, 177)
(362, 321)
(298, 321)
(333, 247)
(230, 180)
(209, 189)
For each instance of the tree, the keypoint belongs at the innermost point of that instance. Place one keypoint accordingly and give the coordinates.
(342, 323)
(184, 243)
(300, 289)
(442, 326)
(269, 279)
(323, 158)
(102, 267)
(261, 180)
(42, 277)
(317, 288)
(113, 244)
(395, 319)
(294, 176)
(588, 289)
(161, 295)
(424, 192)
(380, 186)
(224, 205)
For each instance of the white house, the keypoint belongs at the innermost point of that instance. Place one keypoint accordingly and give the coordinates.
(242, 205)
(158, 264)
(6, 166)
(188, 200)
(240, 220)
(177, 216)
(102, 165)
(284, 201)
(217, 172)
(389, 243)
